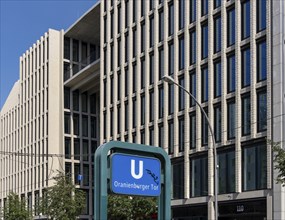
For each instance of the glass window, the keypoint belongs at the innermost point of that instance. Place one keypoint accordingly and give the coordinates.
(151, 31)
(181, 14)
(246, 67)
(160, 136)
(170, 58)
(126, 116)
(231, 27)
(151, 136)
(161, 63)
(112, 57)
(231, 73)
(231, 119)
(204, 41)
(181, 53)
(254, 167)
(217, 123)
(85, 151)
(75, 50)
(177, 180)
(170, 137)
(84, 102)
(75, 124)
(261, 15)
(134, 112)
(204, 84)
(142, 37)
(261, 111)
(204, 7)
(192, 11)
(112, 25)
(86, 180)
(261, 61)
(199, 177)
(227, 180)
(85, 126)
(119, 85)
(142, 137)
(204, 128)
(151, 69)
(134, 77)
(66, 123)
(246, 121)
(126, 82)
(161, 26)
(170, 99)
(119, 119)
(119, 52)
(76, 150)
(142, 109)
(66, 97)
(75, 98)
(160, 102)
(217, 3)
(134, 11)
(119, 20)
(192, 130)
(142, 74)
(151, 106)
(170, 19)
(134, 42)
(151, 4)
(66, 71)
(181, 94)
(217, 79)
(93, 103)
(181, 134)
(217, 34)
(193, 87)
(245, 19)
(67, 48)
(126, 48)
(93, 127)
(67, 147)
(126, 13)
(192, 47)
(105, 93)
(142, 8)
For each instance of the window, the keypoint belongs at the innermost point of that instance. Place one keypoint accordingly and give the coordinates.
(199, 177)
(192, 13)
(134, 77)
(160, 102)
(246, 67)
(151, 69)
(204, 7)
(254, 167)
(119, 53)
(75, 96)
(76, 150)
(261, 15)
(170, 58)
(245, 19)
(227, 180)
(170, 19)
(217, 34)
(217, 123)
(151, 106)
(192, 87)
(119, 119)
(161, 26)
(142, 8)
(93, 127)
(126, 48)
(246, 121)
(261, 61)
(105, 93)
(261, 111)
(217, 3)
(170, 137)
(177, 180)
(126, 13)
(231, 119)
(204, 41)
(231, 27)
(231, 73)
(142, 109)
(160, 135)
(112, 57)
(84, 102)
(126, 116)
(67, 48)
(66, 97)
(204, 84)
(134, 112)
(134, 11)
(151, 4)
(181, 53)
(75, 124)
(181, 14)
(192, 130)
(181, 134)
(204, 128)
(134, 41)
(151, 136)
(67, 148)
(217, 79)
(142, 37)
(170, 99)
(66, 123)
(142, 137)
(142, 74)
(85, 126)
(119, 20)
(151, 32)
(161, 63)
(119, 85)
(93, 103)
(192, 47)
(126, 82)
(85, 148)
(181, 94)
(75, 50)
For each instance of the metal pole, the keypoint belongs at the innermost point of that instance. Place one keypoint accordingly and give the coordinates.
(170, 80)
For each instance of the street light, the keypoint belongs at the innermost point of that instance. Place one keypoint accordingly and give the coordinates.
(170, 80)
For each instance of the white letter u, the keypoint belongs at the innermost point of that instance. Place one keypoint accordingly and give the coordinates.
(137, 176)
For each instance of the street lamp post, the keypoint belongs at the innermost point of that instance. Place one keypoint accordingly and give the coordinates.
(170, 80)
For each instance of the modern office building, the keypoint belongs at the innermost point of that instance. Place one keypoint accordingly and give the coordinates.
(228, 53)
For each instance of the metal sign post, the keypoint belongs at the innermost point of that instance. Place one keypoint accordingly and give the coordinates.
(132, 169)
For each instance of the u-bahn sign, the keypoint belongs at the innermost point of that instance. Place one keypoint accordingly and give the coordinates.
(135, 175)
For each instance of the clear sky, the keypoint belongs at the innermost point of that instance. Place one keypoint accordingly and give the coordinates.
(22, 23)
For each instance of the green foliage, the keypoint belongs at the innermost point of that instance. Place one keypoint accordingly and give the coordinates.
(279, 162)
(126, 207)
(63, 200)
(15, 208)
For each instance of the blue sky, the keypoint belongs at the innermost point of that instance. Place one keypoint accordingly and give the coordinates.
(22, 23)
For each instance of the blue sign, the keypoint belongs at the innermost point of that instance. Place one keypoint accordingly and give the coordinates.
(135, 175)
